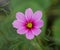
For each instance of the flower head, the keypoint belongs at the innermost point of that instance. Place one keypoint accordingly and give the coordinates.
(29, 23)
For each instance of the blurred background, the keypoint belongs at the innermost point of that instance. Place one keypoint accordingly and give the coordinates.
(49, 39)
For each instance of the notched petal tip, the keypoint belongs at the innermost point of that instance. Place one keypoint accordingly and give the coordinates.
(28, 13)
(39, 12)
(38, 15)
(42, 23)
(20, 31)
(36, 31)
(14, 24)
(29, 9)
(29, 36)
(19, 15)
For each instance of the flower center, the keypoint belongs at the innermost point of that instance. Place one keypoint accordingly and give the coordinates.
(29, 25)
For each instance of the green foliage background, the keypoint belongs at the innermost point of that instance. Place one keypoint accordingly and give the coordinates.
(10, 40)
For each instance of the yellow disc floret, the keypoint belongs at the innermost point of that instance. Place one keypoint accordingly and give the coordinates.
(29, 25)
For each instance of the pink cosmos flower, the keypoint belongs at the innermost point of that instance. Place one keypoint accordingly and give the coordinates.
(28, 23)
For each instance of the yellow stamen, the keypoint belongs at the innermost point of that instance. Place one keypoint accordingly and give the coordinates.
(29, 25)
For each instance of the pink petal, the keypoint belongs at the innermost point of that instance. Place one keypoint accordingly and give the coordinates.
(29, 35)
(39, 24)
(20, 16)
(28, 13)
(21, 30)
(37, 15)
(36, 31)
(17, 24)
